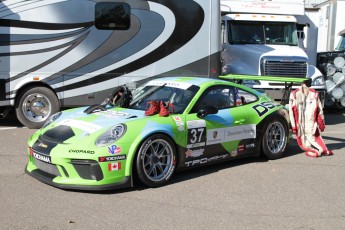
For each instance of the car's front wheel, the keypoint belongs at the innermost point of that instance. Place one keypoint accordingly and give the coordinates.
(156, 160)
(275, 138)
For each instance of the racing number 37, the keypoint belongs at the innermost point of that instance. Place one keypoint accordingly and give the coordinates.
(196, 137)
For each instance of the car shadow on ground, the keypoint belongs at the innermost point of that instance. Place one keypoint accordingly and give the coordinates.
(190, 174)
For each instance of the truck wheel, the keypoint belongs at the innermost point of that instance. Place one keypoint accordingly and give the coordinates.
(156, 160)
(275, 138)
(35, 106)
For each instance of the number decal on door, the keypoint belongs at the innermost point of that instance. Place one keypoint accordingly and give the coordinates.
(196, 137)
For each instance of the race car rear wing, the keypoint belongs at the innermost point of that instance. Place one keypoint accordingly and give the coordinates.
(287, 80)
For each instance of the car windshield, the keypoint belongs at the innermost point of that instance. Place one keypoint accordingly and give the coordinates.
(178, 96)
(275, 33)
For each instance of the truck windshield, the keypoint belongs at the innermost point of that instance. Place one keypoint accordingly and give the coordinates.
(275, 33)
(341, 44)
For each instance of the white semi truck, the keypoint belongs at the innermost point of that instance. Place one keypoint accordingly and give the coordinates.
(259, 37)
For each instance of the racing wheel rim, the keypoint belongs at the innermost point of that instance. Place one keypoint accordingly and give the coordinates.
(275, 137)
(158, 160)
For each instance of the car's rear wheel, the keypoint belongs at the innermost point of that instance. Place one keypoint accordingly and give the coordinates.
(156, 159)
(275, 138)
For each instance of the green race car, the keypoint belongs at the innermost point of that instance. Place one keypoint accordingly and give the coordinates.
(169, 124)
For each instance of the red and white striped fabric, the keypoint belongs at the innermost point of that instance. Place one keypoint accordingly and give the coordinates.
(307, 120)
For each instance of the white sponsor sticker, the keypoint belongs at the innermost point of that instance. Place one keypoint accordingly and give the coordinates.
(215, 136)
(179, 85)
(196, 124)
(240, 132)
(112, 114)
(85, 126)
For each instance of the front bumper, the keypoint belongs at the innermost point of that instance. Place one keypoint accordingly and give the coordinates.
(78, 171)
(48, 178)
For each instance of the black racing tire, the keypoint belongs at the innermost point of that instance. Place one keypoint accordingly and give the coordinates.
(35, 105)
(156, 160)
(275, 139)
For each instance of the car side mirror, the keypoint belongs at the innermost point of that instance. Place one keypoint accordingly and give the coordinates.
(206, 110)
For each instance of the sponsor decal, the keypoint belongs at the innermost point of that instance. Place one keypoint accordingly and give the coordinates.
(114, 166)
(112, 158)
(196, 133)
(112, 114)
(215, 136)
(241, 132)
(177, 118)
(194, 152)
(43, 145)
(233, 153)
(263, 108)
(85, 126)
(240, 148)
(179, 85)
(41, 157)
(205, 160)
(81, 151)
(179, 123)
(196, 124)
(250, 146)
(114, 149)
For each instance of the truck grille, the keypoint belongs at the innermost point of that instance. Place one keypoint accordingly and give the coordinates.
(281, 68)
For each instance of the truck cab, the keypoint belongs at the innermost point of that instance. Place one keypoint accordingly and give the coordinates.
(264, 44)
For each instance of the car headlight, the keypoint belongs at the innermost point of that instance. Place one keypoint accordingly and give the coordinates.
(318, 81)
(111, 135)
(51, 119)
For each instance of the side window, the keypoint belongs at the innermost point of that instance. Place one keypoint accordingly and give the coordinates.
(112, 16)
(243, 97)
(220, 96)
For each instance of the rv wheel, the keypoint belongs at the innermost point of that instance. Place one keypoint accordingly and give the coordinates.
(35, 105)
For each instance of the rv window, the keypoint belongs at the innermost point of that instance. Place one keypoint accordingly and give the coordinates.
(112, 16)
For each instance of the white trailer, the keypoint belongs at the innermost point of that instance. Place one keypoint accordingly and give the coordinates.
(330, 23)
(326, 25)
(66, 53)
(259, 37)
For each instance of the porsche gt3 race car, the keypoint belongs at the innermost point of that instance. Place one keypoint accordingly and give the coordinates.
(170, 124)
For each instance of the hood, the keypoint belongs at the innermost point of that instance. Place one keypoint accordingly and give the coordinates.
(75, 122)
(244, 59)
(107, 118)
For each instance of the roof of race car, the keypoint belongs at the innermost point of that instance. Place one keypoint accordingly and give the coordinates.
(184, 82)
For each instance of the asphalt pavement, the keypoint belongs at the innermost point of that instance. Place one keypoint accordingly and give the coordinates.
(294, 192)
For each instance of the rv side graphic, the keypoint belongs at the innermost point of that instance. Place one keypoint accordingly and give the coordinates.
(66, 53)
